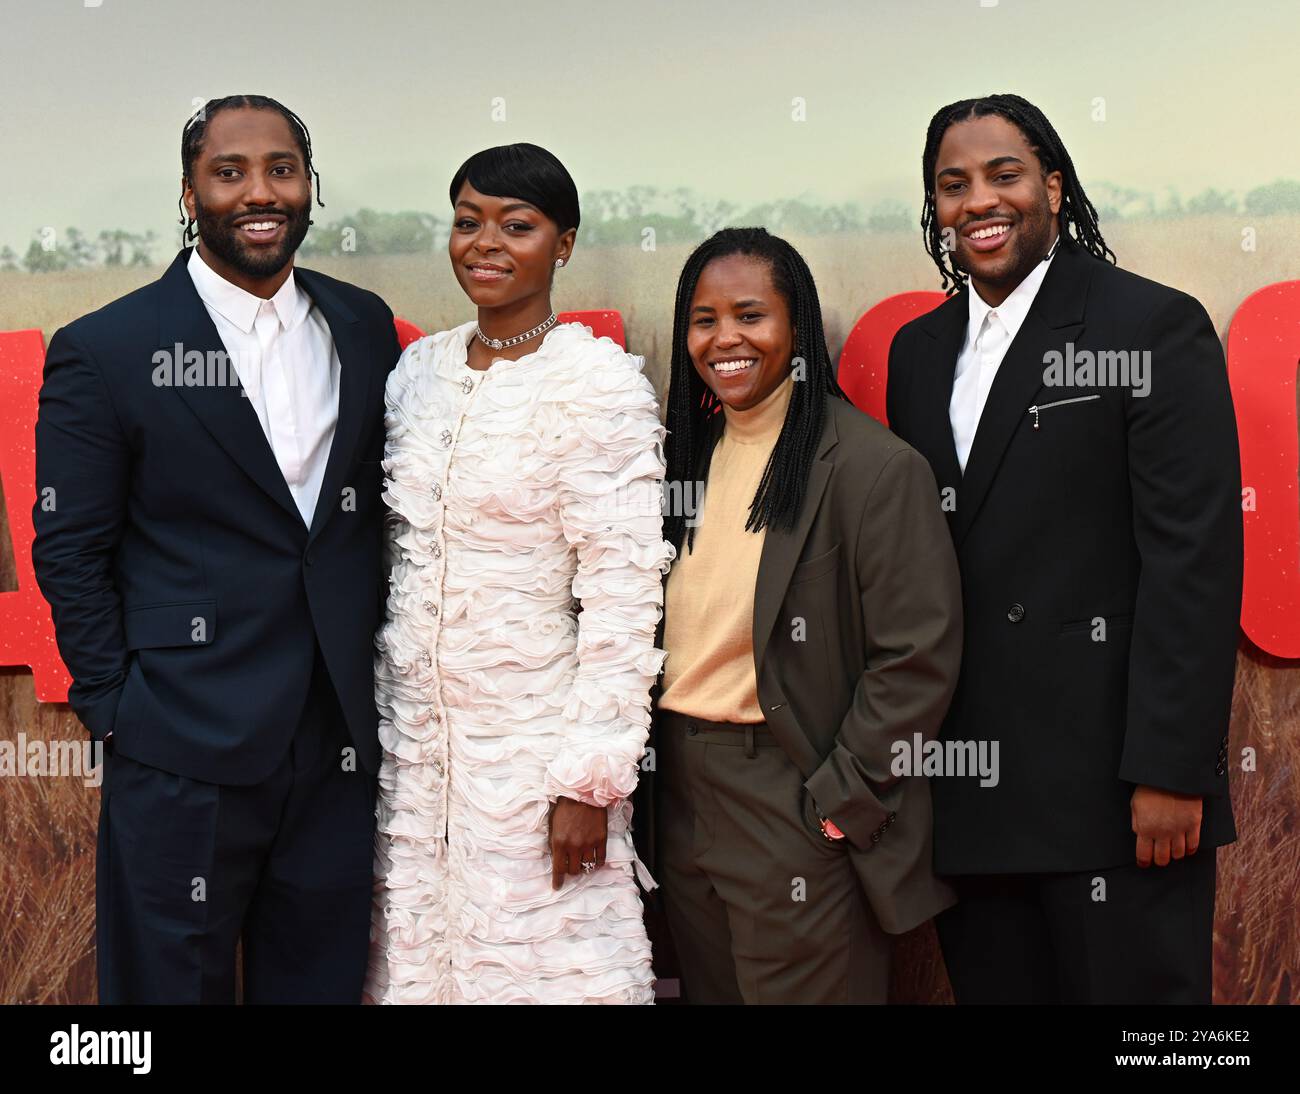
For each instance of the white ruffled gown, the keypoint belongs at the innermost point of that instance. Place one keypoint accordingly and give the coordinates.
(512, 492)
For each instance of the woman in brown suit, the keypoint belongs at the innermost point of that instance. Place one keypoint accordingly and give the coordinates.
(812, 620)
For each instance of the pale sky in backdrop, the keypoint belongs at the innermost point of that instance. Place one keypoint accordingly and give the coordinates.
(397, 93)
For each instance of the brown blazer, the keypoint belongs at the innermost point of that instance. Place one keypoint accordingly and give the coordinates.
(870, 569)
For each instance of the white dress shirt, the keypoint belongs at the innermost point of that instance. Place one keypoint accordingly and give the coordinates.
(989, 334)
(284, 355)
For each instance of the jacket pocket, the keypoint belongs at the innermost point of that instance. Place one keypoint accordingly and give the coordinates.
(1084, 626)
(188, 623)
(824, 563)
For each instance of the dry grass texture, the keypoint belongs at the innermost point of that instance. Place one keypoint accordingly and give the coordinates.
(47, 865)
(47, 825)
(1257, 927)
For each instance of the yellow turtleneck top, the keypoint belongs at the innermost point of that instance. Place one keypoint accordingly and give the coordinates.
(709, 600)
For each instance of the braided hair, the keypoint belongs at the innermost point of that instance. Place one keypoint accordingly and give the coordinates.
(1077, 219)
(691, 404)
(196, 129)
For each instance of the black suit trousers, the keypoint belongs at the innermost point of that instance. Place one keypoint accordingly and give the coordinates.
(1127, 934)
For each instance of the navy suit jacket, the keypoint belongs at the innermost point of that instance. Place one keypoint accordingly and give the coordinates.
(187, 592)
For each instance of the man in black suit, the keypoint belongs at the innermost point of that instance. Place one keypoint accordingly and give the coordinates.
(208, 535)
(1080, 427)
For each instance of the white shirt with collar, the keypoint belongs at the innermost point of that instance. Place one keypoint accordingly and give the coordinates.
(284, 355)
(989, 334)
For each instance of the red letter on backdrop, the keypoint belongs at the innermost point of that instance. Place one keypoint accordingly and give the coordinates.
(26, 630)
(407, 332)
(1263, 348)
(864, 362)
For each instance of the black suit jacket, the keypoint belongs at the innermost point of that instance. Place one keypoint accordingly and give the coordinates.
(187, 592)
(1117, 507)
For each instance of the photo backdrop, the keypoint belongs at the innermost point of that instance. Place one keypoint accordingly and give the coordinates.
(675, 119)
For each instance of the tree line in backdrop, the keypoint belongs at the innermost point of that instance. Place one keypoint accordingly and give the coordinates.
(625, 216)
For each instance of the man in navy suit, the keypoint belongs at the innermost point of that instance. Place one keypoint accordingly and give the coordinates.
(208, 535)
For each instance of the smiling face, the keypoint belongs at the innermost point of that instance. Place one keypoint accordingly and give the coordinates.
(991, 192)
(740, 336)
(250, 193)
(503, 250)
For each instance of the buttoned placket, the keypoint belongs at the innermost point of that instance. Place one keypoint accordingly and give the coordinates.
(468, 383)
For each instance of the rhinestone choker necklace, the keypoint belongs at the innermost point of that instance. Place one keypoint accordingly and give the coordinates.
(505, 343)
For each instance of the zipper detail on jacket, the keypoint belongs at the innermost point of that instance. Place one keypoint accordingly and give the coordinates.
(1059, 402)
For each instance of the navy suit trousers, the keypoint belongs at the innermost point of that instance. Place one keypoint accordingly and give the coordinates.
(185, 869)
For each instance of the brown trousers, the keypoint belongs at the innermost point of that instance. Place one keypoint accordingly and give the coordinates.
(761, 906)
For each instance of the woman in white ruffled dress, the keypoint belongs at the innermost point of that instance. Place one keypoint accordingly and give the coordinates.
(523, 470)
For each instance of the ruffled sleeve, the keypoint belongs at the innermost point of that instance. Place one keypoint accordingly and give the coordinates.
(401, 397)
(610, 473)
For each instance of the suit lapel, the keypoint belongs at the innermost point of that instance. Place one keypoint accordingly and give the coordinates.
(353, 389)
(1054, 318)
(946, 328)
(229, 416)
(224, 409)
(781, 549)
